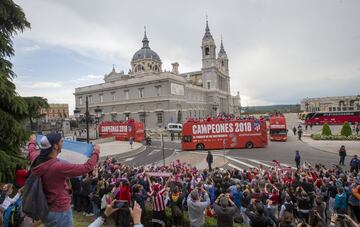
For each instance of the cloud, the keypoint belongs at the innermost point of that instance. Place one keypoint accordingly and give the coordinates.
(43, 85)
(32, 48)
(89, 78)
(279, 51)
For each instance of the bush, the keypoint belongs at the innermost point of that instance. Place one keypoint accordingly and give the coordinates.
(334, 137)
(346, 130)
(326, 131)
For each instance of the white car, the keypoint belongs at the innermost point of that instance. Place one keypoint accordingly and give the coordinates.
(174, 127)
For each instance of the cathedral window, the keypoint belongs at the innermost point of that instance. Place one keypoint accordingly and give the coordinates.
(141, 92)
(222, 63)
(160, 117)
(207, 51)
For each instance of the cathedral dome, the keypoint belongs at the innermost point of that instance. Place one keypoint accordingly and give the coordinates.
(145, 52)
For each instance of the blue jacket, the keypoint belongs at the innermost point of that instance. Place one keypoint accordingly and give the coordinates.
(340, 201)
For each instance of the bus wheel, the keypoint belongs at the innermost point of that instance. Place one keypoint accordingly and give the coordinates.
(200, 146)
(249, 145)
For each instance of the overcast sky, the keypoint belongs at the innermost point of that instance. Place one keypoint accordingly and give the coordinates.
(279, 51)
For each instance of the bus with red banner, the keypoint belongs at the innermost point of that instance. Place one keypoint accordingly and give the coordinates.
(122, 131)
(224, 134)
(333, 118)
(277, 127)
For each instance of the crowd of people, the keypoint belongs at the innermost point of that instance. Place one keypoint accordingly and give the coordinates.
(119, 194)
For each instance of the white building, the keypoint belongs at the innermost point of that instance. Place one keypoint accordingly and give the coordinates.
(157, 97)
(337, 103)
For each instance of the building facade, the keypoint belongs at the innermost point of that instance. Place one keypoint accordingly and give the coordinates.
(56, 111)
(148, 93)
(337, 103)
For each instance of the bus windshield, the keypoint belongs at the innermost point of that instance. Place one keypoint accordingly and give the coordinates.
(278, 131)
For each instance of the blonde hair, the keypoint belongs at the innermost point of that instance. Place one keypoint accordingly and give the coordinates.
(7, 187)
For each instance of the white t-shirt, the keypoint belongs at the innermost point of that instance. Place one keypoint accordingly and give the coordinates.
(8, 201)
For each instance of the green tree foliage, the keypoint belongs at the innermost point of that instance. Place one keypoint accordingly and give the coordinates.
(13, 108)
(326, 131)
(34, 105)
(346, 129)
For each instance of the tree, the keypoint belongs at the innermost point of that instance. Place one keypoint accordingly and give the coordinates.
(326, 131)
(346, 130)
(13, 108)
(34, 106)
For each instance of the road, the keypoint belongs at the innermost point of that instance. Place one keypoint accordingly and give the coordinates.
(284, 152)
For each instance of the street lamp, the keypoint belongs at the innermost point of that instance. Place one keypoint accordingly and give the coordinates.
(77, 113)
(87, 118)
(98, 114)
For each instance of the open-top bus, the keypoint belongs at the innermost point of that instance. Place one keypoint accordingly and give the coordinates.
(277, 127)
(123, 130)
(224, 134)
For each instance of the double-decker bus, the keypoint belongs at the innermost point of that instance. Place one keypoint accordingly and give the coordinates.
(338, 117)
(224, 134)
(123, 130)
(277, 127)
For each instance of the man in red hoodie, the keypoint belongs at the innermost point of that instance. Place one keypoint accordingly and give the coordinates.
(55, 174)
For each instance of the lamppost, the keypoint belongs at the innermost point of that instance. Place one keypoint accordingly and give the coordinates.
(87, 118)
(98, 113)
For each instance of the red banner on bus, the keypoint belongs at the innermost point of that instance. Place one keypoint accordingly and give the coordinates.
(224, 134)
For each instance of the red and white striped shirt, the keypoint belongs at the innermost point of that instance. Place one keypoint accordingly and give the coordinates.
(158, 203)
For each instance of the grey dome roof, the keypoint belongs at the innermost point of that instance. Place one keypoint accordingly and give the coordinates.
(145, 52)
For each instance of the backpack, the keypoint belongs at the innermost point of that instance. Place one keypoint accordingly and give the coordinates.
(34, 202)
(13, 215)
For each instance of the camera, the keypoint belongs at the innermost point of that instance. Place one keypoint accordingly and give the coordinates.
(121, 204)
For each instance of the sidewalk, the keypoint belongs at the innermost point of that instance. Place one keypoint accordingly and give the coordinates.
(197, 159)
(333, 146)
(118, 148)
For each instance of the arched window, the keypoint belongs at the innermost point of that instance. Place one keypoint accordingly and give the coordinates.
(222, 63)
(156, 68)
(207, 50)
(139, 68)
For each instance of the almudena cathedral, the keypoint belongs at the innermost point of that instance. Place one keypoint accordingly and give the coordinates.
(157, 97)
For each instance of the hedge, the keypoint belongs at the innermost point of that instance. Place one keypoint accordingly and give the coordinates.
(334, 137)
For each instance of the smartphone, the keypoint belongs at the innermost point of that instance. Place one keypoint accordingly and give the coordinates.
(341, 216)
(121, 204)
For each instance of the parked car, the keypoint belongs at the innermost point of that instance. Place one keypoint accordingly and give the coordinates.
(174, 127)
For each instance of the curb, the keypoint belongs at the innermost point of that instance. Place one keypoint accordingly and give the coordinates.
(128, 153)
(316, 148)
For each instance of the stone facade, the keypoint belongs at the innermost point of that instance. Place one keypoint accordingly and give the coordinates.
(337, 103)
(157, 97)
(56, 111)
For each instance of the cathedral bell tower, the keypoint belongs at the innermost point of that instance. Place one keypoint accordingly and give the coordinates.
(208, 48)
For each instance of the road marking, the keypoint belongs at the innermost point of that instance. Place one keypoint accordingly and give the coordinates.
(153, 152)
(235, 167)
(240, 162)
(129, 159)
(260, 163)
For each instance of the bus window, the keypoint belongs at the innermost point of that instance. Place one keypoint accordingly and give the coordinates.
(187, 139)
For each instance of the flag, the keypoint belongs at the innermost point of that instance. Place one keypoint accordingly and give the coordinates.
(73, 151)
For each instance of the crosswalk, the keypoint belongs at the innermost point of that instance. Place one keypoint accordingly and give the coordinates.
(246, 163)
